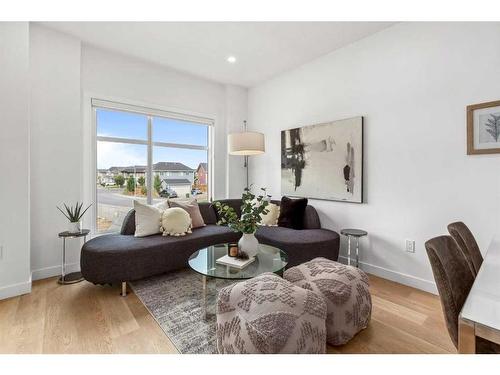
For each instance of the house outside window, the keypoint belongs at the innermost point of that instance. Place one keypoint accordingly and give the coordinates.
(147, 155)
(202, 177)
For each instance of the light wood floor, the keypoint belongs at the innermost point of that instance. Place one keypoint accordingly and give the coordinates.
(84, 318)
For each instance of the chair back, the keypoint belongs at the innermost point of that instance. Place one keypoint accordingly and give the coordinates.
(467, 244)
(453, 277)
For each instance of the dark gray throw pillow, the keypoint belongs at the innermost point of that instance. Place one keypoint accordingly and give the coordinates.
(292, 213)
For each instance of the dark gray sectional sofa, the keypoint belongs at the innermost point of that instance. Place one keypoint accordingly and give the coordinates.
(121, 257)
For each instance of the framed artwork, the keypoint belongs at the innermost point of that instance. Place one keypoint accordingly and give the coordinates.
(324, 161)
(483, 128)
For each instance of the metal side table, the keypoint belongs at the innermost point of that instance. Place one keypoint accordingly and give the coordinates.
(74, 277)
(350, 233)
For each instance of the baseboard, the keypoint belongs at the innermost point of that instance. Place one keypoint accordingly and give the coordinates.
(15, 289)
(402, 278)
(43, 273)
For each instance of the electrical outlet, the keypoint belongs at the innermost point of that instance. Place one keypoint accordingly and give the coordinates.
(410, 246)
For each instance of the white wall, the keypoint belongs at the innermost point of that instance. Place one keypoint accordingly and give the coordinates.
(111, 75)
(63, 75)
(236, 113)
(14, 159)
(412, 83)
(56, 153)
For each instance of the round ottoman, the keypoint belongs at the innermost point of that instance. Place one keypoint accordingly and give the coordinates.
(267, 314)
(345, 290)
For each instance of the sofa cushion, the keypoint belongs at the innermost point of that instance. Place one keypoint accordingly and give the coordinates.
(207, 212)
(292, 213)
(148, 218)
(271, 218)
(301, 245)
(293, 236)
(175, 221)
(191, 207)
(128, 225)
(311, 218)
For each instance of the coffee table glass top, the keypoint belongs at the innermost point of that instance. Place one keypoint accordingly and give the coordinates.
(269, 259)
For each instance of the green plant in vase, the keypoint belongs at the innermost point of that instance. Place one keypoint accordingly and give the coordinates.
(252, 209)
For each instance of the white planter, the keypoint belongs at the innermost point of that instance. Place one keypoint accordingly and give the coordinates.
(249, 244)
(75, 227)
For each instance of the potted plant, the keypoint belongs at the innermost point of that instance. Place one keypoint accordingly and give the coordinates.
(251, 210)
(74, 215)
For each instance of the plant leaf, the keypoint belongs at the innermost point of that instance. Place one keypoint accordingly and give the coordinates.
(63, 213)
(83, 213)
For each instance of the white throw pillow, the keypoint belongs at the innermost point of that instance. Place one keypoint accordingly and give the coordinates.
(175, 221)
(271, 218)
(148, 218)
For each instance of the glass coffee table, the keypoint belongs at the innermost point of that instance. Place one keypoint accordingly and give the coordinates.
(203, 261)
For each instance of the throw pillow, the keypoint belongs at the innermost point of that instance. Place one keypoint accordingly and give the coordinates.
(175, 221)
(292, 213)
(271, 218)
(148, 218)
(192, 208)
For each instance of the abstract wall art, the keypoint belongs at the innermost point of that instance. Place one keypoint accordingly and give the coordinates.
(324, 161)
(483, 128)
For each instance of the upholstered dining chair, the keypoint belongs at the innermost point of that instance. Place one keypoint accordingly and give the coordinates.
(454, 279)
(467, 244)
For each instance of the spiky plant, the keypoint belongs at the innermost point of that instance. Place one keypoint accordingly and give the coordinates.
(74, 213)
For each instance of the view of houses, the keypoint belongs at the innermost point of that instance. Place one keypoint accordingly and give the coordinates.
(172, 176)
(117, 187)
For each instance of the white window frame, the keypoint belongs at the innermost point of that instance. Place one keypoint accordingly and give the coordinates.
(149, 112)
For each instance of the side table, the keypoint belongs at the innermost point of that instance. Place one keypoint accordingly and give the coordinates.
(74, 277)
(350, 233)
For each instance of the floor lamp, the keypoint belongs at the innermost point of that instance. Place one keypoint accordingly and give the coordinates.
(246, 144)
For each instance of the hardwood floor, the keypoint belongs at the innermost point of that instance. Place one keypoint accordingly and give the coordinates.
(84, 318)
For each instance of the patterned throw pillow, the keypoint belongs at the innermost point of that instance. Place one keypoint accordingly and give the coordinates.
(175, 221)
(148, 218)
(192, 208)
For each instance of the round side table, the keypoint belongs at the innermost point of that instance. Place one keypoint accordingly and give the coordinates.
(350, 233)
(74, 277)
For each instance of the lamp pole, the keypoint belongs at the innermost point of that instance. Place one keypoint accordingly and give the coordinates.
(246, 144)
(246, 156)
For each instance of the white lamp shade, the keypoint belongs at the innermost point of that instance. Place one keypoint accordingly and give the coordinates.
(246, 143)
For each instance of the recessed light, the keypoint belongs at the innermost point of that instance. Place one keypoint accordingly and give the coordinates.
(231, 59)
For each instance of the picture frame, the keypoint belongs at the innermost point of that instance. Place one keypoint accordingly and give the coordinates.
(483, 128)
(324, 161)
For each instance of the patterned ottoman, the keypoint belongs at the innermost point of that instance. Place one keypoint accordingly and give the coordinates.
(345, 291)
(267, 314)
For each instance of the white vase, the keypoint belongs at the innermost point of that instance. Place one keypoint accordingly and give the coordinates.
(74, 227)
(249, 244)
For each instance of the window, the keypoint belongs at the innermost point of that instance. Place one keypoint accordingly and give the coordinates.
(148, 155)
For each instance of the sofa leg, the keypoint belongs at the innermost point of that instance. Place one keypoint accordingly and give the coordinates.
(124, 289)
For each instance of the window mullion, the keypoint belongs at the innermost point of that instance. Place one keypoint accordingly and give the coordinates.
(150, 161)
(180, 145)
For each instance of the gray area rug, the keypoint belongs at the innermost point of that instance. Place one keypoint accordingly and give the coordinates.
(176, 302)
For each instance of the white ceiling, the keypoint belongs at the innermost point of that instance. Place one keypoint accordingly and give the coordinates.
(263, 49)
